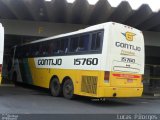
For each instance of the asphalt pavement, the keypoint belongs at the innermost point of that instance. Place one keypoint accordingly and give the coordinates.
(27, 100)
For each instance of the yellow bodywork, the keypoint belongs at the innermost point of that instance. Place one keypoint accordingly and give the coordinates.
(119, 86)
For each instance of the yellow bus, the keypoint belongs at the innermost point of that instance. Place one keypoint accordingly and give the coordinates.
(105, 60)
(1, 49)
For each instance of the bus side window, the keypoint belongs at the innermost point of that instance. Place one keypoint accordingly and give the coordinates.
(40, 49)
(50, 49)
(64, 45)
(74, 44)
(56, 46)
(35, 50)
(83, 43)
(43, 49)
(96, 40)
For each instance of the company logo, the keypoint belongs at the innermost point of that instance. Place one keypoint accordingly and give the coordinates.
(129, 36)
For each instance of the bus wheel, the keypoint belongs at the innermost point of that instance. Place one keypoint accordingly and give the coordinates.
(55, 87)
(68, 89)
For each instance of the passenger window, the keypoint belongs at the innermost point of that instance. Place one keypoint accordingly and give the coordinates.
(35, 50)
(83, 43)
(51, 48)
(43, 49)
(56, 46)
(96, 40)
(79, 44)
(74, 44)
(64, 45)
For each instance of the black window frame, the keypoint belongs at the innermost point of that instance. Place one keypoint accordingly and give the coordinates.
(101, 41)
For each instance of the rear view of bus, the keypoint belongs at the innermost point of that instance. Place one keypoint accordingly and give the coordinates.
(1, 49)
(125, 58)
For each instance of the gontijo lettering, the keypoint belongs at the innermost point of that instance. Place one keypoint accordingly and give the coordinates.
(49, 61)
(127, 46)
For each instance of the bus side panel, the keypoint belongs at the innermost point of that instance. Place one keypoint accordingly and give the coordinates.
(86, 82)
(42, 76)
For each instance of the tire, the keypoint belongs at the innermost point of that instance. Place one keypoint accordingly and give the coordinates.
(68, 89)
(55, 87)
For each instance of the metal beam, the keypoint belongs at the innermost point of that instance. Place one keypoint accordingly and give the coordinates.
(28, 28)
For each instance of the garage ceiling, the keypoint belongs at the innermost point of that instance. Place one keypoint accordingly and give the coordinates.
(80, 12)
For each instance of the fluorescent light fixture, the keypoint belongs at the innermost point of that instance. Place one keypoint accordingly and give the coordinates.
(135, 4)
(48, 0)
(92, 2)
(70, 1)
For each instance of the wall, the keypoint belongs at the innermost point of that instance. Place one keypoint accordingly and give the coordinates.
(152, 38)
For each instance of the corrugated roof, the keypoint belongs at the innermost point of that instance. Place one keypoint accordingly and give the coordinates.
(80, 12)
